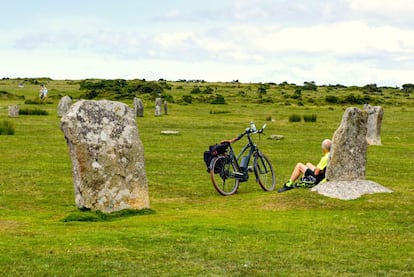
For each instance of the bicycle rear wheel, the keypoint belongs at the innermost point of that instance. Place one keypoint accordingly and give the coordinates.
(263, 170)
(222, 175)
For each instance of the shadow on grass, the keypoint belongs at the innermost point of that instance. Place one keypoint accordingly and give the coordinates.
(98, 216)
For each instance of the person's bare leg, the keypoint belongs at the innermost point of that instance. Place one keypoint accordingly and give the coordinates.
(300, 168)
(310, 166)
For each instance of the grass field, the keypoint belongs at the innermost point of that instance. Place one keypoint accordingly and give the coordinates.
(193, 231)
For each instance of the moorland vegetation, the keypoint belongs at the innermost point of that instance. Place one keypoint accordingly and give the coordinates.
(191, 230)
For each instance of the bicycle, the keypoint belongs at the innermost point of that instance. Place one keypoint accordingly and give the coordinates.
(227, 170)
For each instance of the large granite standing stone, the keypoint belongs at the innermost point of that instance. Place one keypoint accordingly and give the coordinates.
(348, 156)
(138, 107)
(64, 105)
(13, 111)
(107, 156)
(375, 115)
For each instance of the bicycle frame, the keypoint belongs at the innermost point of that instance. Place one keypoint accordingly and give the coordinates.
(228, 170)
(250, 148)
(250, 145)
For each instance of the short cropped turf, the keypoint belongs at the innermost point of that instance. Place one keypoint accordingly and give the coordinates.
(191, 230)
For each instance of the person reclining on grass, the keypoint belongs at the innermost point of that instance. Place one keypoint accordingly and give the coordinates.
(317, 172)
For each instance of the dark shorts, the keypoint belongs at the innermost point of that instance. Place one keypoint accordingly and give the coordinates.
(309, 172)
(320, 176)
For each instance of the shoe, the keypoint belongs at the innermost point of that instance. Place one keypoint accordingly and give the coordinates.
(285, 188)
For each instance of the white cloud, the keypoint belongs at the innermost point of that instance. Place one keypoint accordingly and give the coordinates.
(342, 41)
(396, 12)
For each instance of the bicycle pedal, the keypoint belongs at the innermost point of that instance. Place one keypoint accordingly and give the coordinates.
(238, 174)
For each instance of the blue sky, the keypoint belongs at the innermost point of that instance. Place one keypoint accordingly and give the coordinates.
(349, 42)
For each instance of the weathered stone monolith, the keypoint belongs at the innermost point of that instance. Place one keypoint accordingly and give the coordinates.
(107, 156)
(158, 104)
(375, 115)
(14, 111)
(348, 156)
(165, 107)
(138, 107)
(64, 105)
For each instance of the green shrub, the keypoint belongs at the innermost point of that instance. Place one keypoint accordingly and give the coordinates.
(356, 99)
(266, 100)
(310, 86)
(331, 99)
(297, 94)
(261, 90)
(309, 118)
(33, 112)
(219, 99)
(208, 90)
(167, 97)
(187, 99)
(295, 118)
(196, 90)
(6, 128)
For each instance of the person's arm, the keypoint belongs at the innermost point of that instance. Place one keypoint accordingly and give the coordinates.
(321, 165)
(229, 141)
(233, 139)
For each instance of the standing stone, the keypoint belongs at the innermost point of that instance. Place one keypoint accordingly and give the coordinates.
(375, 115)
(107, 156)
(14, 111)
(349, 147)
(64, 105)
(138, 107)
(165, 107)
(158, 103)
(346, 166)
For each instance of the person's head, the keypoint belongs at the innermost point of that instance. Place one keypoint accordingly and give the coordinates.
(326, 145)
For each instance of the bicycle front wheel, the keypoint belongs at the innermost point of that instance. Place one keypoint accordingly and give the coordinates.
(263, 170)
(222, 175)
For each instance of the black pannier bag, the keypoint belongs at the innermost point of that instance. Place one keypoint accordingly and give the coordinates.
(213, 151)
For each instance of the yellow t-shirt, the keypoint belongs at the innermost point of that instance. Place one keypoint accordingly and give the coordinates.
(323, 162)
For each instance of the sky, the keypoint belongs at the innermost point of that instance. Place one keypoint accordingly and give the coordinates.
(347, 42)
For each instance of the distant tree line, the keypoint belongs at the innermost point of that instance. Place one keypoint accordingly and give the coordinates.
(119, 88)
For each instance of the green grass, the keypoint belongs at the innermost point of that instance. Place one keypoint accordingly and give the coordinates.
(7, 127)
(191, 230)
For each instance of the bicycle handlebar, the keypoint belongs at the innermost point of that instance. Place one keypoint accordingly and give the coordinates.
(250, 131)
